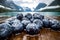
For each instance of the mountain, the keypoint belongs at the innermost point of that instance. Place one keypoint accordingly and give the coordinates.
(40, 5)
(27, 9)
(10, 4)
(50, 9)
(6, 9)
(54, 3)
(54, 6)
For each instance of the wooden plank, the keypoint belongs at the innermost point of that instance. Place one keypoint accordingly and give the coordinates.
(44, 34)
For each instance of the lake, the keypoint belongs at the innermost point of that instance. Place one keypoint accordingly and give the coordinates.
(10, 14)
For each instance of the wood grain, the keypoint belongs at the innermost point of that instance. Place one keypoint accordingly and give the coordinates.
(44, 34)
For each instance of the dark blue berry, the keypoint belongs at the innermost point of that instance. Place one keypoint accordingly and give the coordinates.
(38, 22)
(5, 30)
(20, 16)
(25, 23)
(32, 20)
(10, 20)
(28, 15)
(32, 29)
(24, 18)
(55, 25)
(38, 16)
(18, 26)
(46, 23)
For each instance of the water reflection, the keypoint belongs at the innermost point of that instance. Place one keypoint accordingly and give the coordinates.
(10, 14)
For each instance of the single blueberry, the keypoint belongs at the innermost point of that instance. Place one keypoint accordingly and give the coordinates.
(38, 16)
(32, 20)
(24, 18)
(28, 15)
(18, 26)
(52, 22)
(38, 22)
(10, 20)
(5, 30)
(46, 23)
(20, 16)
(25, 23)
(55, 25)
(32, 29)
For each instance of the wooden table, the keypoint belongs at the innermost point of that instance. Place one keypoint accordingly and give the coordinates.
(45, 34)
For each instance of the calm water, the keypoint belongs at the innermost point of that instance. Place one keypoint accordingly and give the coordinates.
(10, 14)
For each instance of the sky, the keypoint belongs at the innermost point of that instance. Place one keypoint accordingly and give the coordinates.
(31, 3)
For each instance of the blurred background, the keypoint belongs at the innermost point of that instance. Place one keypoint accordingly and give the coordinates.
(9, 8)
(29, 5)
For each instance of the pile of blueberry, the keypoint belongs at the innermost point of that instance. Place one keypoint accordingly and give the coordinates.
(31, 23)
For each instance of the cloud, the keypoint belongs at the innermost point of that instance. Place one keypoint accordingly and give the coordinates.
(4, 7)
(31, 3)
(49, 7)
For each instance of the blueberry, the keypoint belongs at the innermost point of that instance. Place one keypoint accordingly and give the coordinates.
(55, 25)
(59, 26)
(9, 21)
(38, 22)
(32, 20)
(28, 15)
(25, 23)
(38, 16)
(18, 26)
(24, 18)
(20, 16)
(5, 30)
(53, 21)
(46, 23)
(32, 29)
